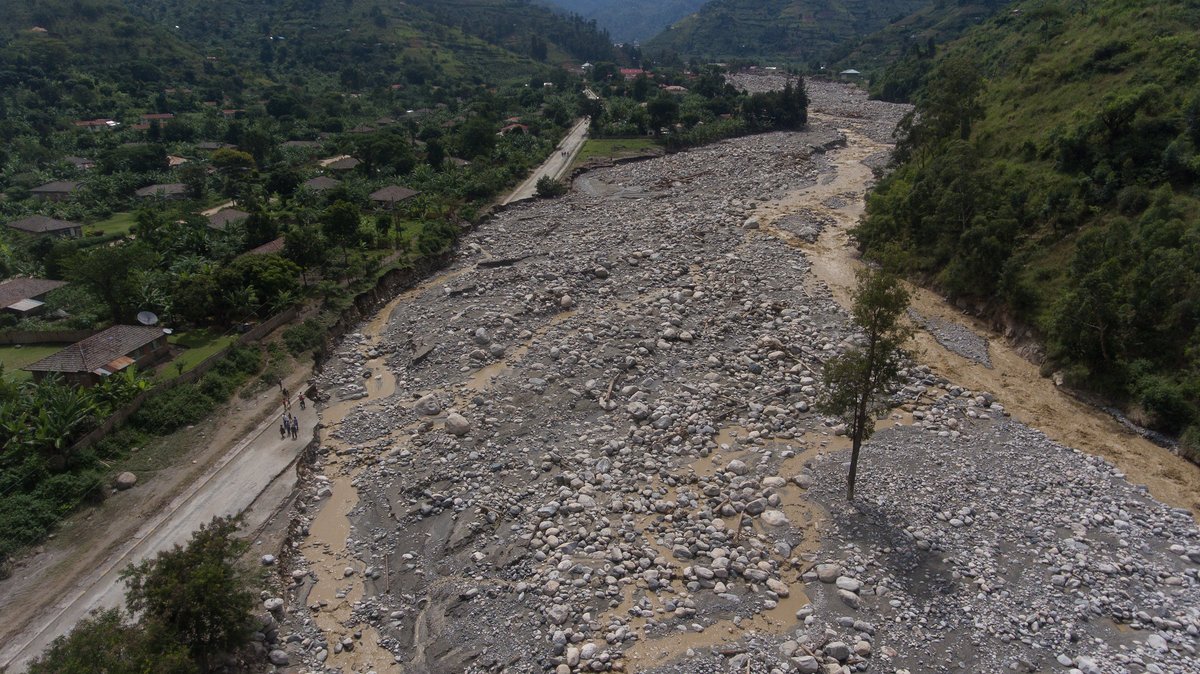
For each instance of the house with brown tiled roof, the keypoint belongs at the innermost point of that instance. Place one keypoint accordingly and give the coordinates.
(24, 296)
(273, 246)
(159, 118)
(321, 183)
(55, 191)
(341, 163)
(40, 224)
(96, 125)
(165, 191)
(225, 217)
(86, 362)
(81, 163)
(392, 194)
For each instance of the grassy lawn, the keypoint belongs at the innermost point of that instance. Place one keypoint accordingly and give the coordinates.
(615, 148)
(15, 358)
(119, 223)
(197, 345)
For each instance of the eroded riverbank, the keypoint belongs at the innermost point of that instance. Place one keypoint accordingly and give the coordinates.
(599, 455)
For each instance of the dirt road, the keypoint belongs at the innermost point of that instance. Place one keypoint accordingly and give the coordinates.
(556, 165)
(40, 605)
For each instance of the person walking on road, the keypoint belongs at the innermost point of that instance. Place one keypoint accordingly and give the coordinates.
(301, 397)
(295, 428)
(282, 429)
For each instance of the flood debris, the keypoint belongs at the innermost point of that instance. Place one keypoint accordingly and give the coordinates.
(634, 479)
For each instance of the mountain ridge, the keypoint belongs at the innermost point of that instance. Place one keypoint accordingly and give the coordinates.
(794, 31)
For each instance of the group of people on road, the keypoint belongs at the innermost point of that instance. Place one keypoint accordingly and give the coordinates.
(289, 425)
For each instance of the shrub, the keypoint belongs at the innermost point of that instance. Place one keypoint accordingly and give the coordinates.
(182, 405)
(104, 642)
(24, 520)
(304, 336)
(548, 187)
(1165, 401)
(1189, 443)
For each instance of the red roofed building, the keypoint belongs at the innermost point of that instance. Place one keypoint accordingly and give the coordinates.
(96, 125)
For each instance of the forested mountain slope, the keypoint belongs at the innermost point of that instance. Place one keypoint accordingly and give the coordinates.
(1052, 175)
(631, 20)
(796, 31)
(896, 57)
(414, 41)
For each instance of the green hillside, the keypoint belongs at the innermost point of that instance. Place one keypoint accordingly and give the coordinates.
(368, 43)
(792, 31)
(631, 20)
(896, 57)
(45, 41)
(1053, 174)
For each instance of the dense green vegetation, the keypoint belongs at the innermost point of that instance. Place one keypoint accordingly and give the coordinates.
(896, 58)
(1052, 172)
(44, 477)
(233, 104)
(786, 31)
(631, 20)
(242, 98)
(689, 108)
(187, 607)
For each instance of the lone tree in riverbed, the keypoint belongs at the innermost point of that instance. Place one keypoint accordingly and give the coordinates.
(856, 381)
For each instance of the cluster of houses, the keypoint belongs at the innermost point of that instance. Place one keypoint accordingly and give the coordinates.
(111, 350)
(86, 362)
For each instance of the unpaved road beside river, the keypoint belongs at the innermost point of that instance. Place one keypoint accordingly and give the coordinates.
(589, 446)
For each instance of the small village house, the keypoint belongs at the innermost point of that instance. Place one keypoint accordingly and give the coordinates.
(40, 224)
(391, 195)
(225, 217)
(56, 191)
(320, 183)
(86, 362)
(166, 191)
(24, 296)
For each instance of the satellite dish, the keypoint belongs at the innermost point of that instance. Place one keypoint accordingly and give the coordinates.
(147, 318)
(167, 331)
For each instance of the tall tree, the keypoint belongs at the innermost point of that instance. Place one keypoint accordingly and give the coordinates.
(108, 272)
(857, 380)
(105, 642)
(198, 595)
